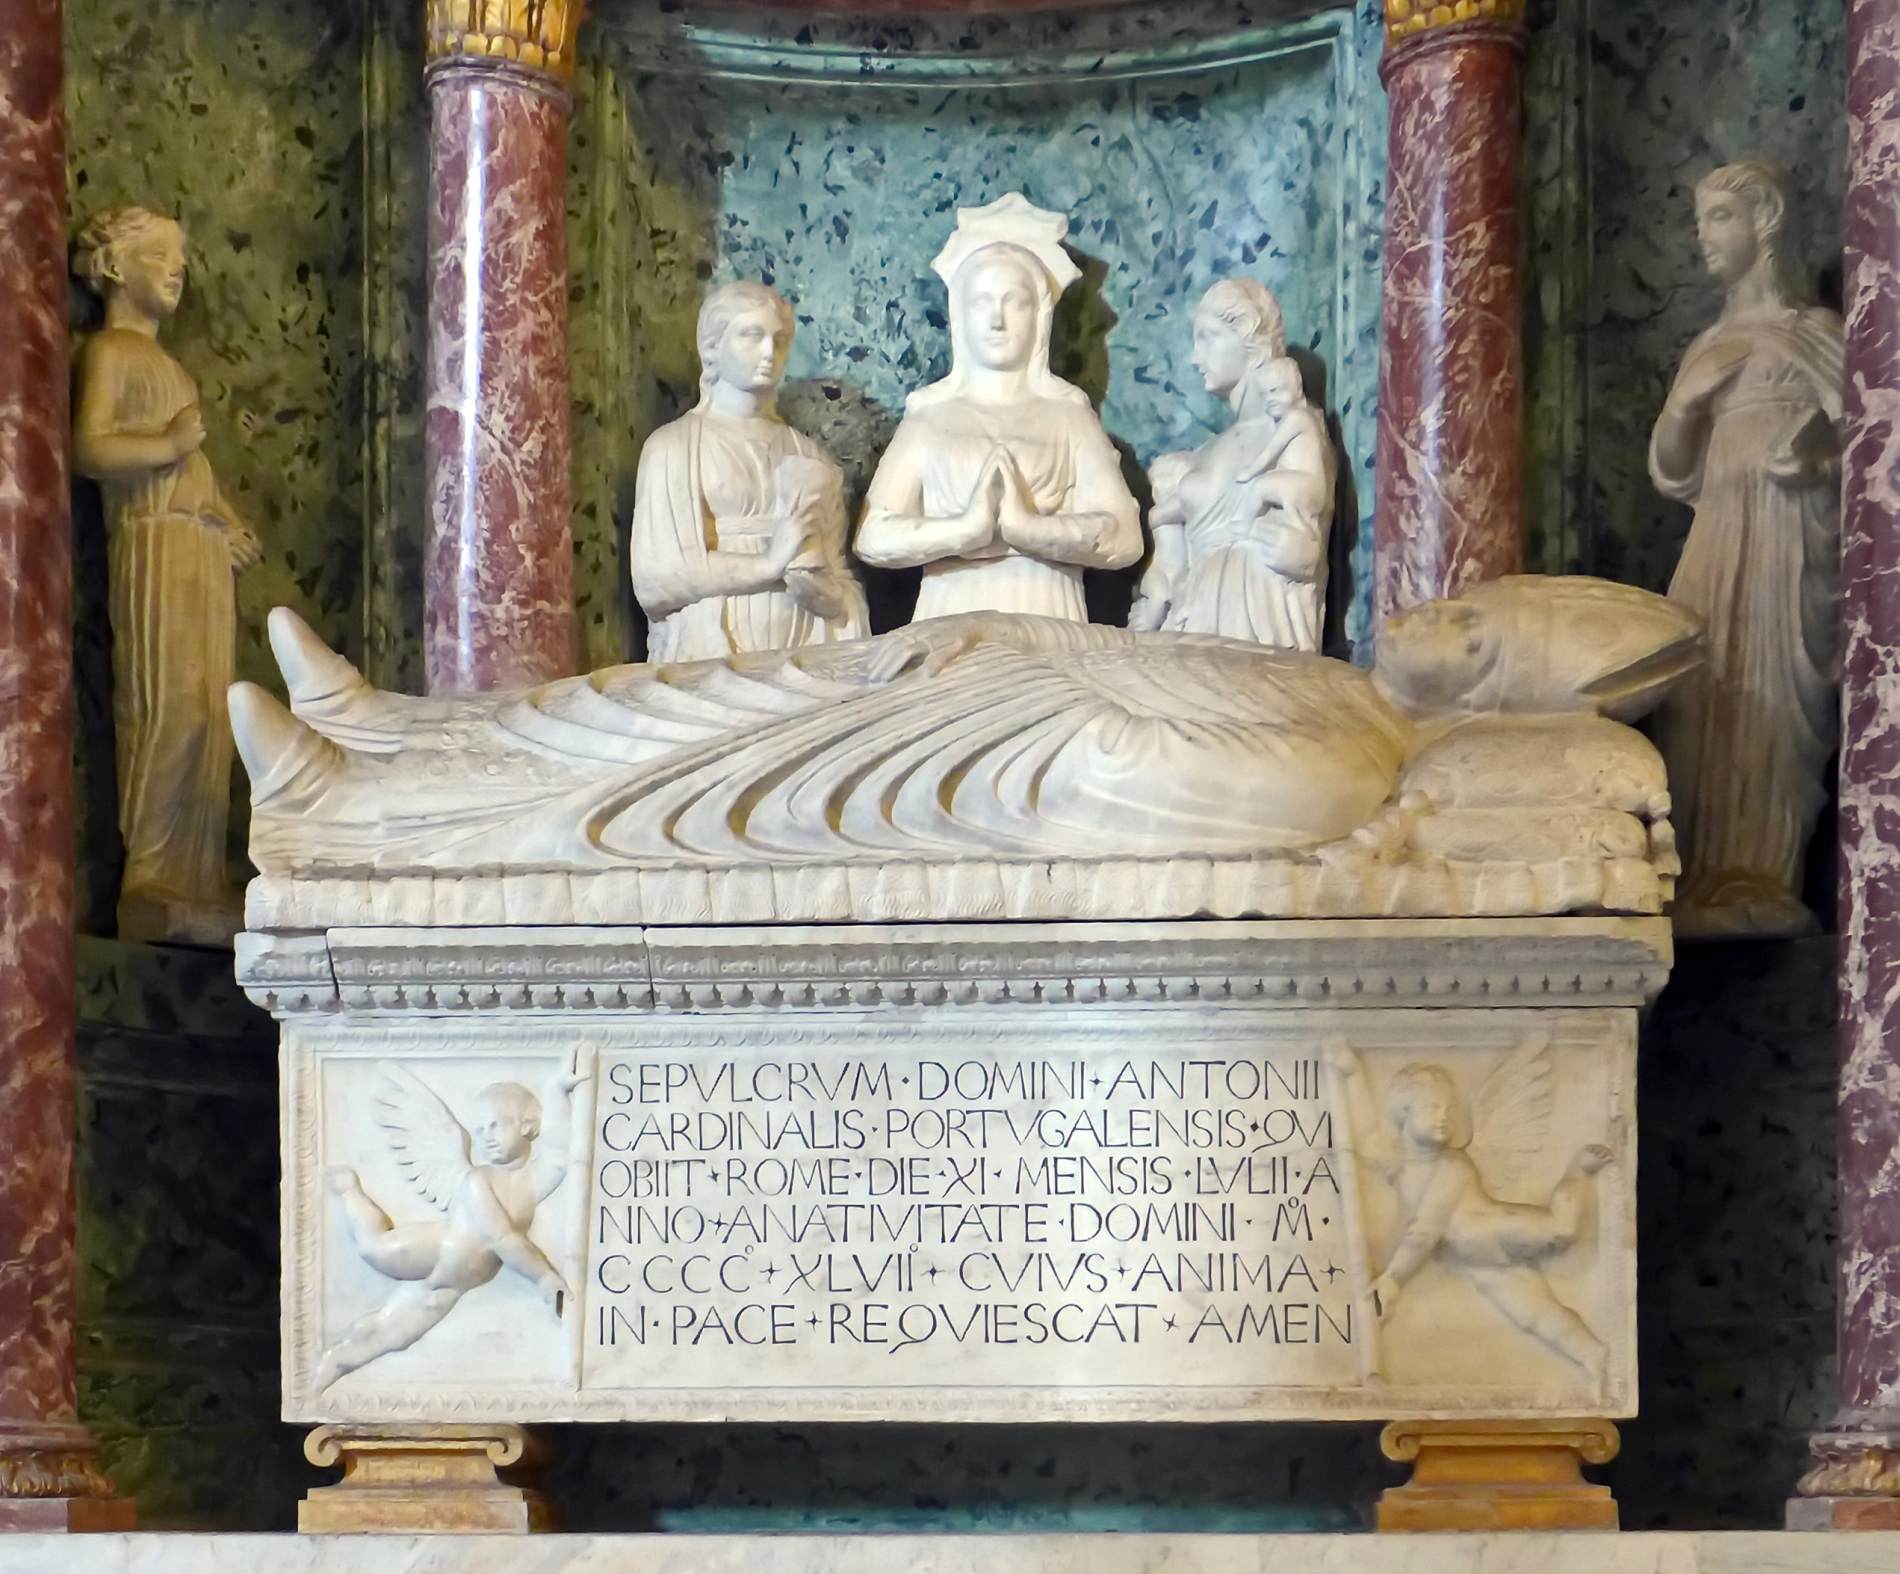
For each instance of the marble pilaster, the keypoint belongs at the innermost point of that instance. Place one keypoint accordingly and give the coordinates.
(498, 568)
(1450, 449)
(1855, 1482)
(47, 1477)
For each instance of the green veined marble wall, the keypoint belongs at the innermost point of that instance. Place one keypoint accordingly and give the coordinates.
(1628, 106)
(177, 1187)
(1186, 142)
(245, 119)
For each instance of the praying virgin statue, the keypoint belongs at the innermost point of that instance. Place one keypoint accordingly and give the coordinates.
(1240, 524)
(738, 520)
(1000, 481)
(1750, 437)
(174, 544)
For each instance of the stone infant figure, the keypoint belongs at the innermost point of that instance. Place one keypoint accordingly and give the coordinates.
(1447, 1212)
(488, 1207)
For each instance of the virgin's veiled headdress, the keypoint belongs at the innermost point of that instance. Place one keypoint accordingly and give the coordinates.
(1015, 227)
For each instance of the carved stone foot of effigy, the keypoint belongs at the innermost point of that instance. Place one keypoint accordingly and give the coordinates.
(419, 1479)
(1483, 1476)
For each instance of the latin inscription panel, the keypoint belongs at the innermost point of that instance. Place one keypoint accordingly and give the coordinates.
(1006, 1212)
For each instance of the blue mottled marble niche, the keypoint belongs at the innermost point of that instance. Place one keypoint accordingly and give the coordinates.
(1185, 141)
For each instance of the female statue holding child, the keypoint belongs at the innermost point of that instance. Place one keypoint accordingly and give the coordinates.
(1240, 523)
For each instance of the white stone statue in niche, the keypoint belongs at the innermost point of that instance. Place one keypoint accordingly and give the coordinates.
(486, 1184)
(1750, 437)
(1240, 524)
(1000, 481)
(174, 545)
(738, 520)
(1446, 1161)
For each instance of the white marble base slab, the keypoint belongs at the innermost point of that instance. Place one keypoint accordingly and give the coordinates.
(1767, 1552)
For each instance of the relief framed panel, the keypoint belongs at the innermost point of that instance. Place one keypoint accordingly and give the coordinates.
(962, 1213)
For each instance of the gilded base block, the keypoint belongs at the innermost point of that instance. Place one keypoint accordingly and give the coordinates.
(1498, 1475)
(1853, 1485)
(421, 1480)
(55, 1516)
(50, 1483)
(1844, 1513)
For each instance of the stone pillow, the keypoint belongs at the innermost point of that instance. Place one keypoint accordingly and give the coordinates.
(1554, 763)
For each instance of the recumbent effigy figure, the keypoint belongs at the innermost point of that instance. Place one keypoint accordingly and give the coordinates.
(1001, 766)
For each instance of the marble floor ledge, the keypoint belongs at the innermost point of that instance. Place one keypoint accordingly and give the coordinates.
(1728, 1553)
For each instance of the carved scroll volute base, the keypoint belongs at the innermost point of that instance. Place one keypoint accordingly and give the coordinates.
(1854, 1484)
(1498, 1475)
(421, 1480)
(50, 1484)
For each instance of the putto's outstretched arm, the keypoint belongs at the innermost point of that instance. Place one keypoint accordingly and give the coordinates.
(557, 1121)
(512, 1245)
(1371, 1142)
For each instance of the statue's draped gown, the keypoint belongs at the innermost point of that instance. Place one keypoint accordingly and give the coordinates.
(708, 482)
(930, 471)
(174, 616)
(1747, 738)
(1253, 574)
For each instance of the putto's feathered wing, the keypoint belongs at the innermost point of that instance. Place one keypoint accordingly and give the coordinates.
(430, 1145)
(1511, 1116)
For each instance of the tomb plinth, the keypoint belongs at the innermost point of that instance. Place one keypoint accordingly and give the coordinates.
(1201, 1171)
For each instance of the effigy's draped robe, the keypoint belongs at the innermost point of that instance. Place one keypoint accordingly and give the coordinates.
(708, 483)
(1748, 737)
(173, 607)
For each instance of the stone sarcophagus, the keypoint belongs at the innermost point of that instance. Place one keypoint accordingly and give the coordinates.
(1216, 1171)
(1000, 1019)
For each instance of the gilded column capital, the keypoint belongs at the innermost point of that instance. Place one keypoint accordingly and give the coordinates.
(536, 34)
(1406, 19)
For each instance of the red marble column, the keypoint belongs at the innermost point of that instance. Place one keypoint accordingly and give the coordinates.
(499, 571)
(1855, 1483)
(1450, 482)
(47, 1477)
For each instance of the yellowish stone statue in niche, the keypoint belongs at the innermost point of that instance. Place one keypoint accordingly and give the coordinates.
(174, 544)
(1749, 438)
